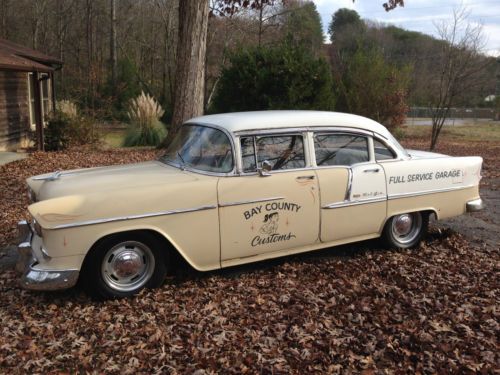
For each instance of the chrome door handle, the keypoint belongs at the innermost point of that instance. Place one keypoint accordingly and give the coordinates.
(373, 170)
(305, 178)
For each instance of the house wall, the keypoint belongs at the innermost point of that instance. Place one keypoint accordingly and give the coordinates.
(14, 110)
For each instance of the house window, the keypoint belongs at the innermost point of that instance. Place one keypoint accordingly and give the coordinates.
(45, 94)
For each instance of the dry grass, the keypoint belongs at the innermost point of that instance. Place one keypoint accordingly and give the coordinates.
(479, 132)
(144, 111)
(67, 107)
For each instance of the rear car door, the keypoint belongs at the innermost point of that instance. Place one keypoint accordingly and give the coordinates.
(352, 186)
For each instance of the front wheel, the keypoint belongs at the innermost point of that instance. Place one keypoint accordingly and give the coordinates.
(405, 230)
(120, 266)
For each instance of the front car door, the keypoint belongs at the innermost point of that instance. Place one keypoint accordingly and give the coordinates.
(262, 214)
(352, 185)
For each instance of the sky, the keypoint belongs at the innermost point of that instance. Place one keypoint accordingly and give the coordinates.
(422, 15)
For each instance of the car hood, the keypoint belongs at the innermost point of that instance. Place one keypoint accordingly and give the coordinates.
(106, 179)
(127, 190)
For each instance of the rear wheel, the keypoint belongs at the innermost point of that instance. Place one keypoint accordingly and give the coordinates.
(122, 265)
(406, 230)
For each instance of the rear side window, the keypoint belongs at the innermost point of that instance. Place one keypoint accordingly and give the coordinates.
(382, 152)
(340, 149)
(281, 151)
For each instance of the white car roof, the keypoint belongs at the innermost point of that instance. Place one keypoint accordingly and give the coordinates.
(247, 121)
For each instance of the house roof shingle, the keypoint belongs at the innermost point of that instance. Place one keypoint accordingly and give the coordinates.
(16, 57)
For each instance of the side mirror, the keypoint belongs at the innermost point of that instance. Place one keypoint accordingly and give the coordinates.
(264, 169)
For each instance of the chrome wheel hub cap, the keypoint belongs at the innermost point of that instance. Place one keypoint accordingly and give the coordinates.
(403, 224)
(406, 227)
(128, 266)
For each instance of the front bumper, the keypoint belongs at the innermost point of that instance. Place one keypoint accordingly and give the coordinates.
(475, 205)
(34, 278)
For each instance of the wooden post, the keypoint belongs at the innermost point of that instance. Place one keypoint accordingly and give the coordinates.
(38, 110)
(53, 91)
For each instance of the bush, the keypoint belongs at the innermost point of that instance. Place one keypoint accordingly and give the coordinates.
(283, 77)
(56, 132)
(66, 129)
(369, 86)
(145, 128)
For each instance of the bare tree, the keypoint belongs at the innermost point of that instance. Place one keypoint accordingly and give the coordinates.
(168, 12)
(4, 14)
(457, 67)
(112, 42)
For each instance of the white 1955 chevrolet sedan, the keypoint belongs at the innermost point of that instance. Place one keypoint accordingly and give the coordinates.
(236, 188)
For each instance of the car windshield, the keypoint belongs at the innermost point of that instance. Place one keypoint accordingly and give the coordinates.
(201, 148)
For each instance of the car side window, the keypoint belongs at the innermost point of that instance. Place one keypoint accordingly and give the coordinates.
(382, 152)
(281, 151)
(340, 149)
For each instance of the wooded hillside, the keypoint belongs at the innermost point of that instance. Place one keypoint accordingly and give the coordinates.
(114, 49)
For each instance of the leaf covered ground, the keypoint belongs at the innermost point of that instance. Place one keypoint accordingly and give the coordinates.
(351, 309)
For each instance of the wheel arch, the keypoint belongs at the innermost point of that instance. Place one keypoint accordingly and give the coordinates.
(170, 245)
(428, 211)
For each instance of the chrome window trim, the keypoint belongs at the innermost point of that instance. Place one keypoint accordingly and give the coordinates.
(233, 172)
(389, 161)
(341, 129)
(132, 217)
(270, 131)
(427, 192)
(239, 203)
(371, 150)
(348, 203)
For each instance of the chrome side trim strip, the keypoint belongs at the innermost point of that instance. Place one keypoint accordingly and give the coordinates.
(349, 185)
(249, 202)
(132, 217)
(426, 192)
(352, 203)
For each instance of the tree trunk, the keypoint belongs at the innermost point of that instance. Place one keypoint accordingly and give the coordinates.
(4, 6)
(190, 64)
(112, 44)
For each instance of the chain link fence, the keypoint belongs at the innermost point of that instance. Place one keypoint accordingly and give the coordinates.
(455, 113)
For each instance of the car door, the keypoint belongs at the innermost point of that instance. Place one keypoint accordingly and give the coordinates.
(269, 211)
(352, 185)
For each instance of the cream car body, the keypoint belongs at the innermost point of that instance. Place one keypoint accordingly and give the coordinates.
(242, 212)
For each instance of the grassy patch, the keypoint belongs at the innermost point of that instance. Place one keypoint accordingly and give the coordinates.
(479, 132)
(114, 138)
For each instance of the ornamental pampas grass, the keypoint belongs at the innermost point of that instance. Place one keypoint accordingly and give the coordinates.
(67, 108)
(145, 128)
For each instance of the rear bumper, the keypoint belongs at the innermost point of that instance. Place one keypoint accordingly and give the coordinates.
(475, 205)
(34, 278)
